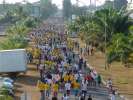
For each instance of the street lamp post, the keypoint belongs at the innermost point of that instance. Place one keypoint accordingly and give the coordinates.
(105, 31)
(4, 4)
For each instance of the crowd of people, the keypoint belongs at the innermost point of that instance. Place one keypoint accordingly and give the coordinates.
(67, 73)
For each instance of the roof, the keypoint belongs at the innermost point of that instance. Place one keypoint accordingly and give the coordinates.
(12, 50)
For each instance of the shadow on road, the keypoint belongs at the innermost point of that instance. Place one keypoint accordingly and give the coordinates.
(27, 80)
(32, 68)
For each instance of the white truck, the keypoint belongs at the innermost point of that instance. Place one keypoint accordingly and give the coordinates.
(13, 61)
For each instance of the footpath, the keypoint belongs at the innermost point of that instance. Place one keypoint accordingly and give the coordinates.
(98, 93)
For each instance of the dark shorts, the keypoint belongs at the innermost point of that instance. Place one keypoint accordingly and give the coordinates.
(84, 92)
(68, 92)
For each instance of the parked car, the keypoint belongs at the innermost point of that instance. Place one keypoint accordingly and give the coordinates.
(6, 79)
(6, 86)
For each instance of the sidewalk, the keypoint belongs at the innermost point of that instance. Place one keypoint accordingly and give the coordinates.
(118, 97)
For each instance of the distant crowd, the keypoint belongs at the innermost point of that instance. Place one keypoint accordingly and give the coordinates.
(68, 73)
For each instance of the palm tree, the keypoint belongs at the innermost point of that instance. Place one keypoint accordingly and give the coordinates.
(92, 29)
(120, 49)
(16, 37)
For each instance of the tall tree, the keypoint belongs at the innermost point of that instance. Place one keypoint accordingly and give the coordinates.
(67, 9)
(120, 48)
(108, 4)
(76, 10)
(118, 4)
(118, 36)
(47, 8)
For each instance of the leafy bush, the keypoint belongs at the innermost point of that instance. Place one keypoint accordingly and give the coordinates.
(6, 97)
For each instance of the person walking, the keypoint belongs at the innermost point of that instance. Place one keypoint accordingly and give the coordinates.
(84, 88)
(85, 64)
(109, 85)
(55, 89)
(48, 91)
(112, 96)
(90, 98)
(99, 80)
(47, 88)
(65, 97)
(68, 88)
(80, 63)
(41, 70)
(76, 87)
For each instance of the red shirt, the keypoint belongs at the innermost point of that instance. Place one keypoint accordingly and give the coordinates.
(88, 78)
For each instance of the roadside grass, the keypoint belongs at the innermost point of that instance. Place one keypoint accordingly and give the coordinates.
(122, 77)
(2, 38)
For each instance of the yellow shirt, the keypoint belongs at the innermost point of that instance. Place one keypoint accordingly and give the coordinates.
(66, 78)
(76, 85)
(71, 77)
(47, 87)
(42, 86)
(55, 87)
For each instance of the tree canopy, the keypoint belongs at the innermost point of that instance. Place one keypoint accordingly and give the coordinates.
(17, 32)
(47, 9)
(119, 4)
(108, 4)
(109, 26)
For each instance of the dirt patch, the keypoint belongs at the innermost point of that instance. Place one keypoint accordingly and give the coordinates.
(26, 83)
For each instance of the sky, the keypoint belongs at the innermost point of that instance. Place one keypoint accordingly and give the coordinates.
(59, 2)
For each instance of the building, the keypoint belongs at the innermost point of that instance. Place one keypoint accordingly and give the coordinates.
(36, 10)
(130, 6)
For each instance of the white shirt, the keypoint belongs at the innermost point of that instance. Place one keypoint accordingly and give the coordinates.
(109, 83)
(84, 86)
(93, 75)
(67, 86)
(76, 66)
(65, 98)
(55, 77)
(49, 81)
(81, 76)
(41, 67)
(76, 76)
(112, 97)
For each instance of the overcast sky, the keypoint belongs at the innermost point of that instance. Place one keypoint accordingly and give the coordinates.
(59, 2)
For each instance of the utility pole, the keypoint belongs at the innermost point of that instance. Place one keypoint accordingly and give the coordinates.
(90, 2)
(77, 3)
(105, 45)
(95, 4)
(4, 3)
